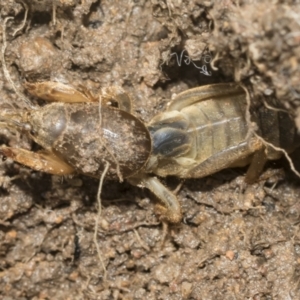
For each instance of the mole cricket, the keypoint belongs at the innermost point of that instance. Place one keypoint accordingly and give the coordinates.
(202, 131)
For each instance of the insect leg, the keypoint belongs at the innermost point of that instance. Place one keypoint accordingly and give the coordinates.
(236, 156)
(170, 210)
(58, 92)
(256, 167)
(40, 161)
(202, 93)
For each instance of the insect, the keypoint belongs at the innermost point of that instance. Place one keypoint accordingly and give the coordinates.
(203, 130)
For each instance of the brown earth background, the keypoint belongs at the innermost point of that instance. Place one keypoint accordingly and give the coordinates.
(236, 241)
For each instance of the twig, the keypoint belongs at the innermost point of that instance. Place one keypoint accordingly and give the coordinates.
(142, 243)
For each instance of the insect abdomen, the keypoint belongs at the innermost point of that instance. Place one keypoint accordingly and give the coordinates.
(183, 140)
(218, 125)
(277, 128)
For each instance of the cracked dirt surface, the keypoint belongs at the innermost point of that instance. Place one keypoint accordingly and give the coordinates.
(237, 241)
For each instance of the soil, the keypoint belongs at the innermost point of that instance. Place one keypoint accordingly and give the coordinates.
(236, 241)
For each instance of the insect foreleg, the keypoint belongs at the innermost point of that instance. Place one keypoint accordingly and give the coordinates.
(41, 161)
(170, 210)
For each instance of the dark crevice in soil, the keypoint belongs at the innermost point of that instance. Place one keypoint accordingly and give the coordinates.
(40, 18)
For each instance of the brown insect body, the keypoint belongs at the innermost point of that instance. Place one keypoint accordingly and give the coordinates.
(216, 127)
(204, 130)
(277, 128)
(73, 133)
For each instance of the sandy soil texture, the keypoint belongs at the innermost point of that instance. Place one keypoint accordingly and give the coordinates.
(236, 241)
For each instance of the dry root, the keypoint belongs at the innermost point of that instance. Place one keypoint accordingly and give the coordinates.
(97, 220)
